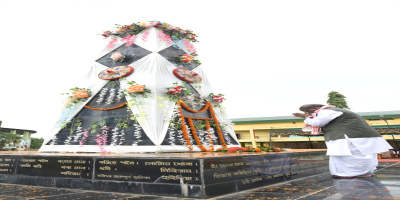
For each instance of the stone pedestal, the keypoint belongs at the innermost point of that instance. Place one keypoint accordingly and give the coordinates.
(196, 175)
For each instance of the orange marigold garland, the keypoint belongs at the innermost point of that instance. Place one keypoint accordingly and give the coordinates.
(120, 106)
(184, 129)
(221, 138)
(196, 138)
(193, 111)
(208, 127)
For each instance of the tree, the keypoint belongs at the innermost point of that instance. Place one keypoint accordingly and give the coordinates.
(337, 99)
(9, 138)
(36, 143)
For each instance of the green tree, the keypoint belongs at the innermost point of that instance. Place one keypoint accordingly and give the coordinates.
(36, 143)
(337, 99)
(9, 138)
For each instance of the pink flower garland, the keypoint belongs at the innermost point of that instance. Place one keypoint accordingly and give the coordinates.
(189, 46)
(101, 139)
(111, 43)
(144, 36)
(84, 138)
(164, 37)
(129, 39)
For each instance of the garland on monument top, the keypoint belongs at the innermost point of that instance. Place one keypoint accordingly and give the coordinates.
(174, 32)
(173, 35)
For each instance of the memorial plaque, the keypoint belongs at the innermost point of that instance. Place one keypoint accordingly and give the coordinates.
(148, 170)
(277, 164)
(275, 178)
(226, 169)
(294, 167)
(249, 183)
(68, 167)
(196, 177)
(7, 164)
(302, 173)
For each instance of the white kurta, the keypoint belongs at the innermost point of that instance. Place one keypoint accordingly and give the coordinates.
(350, 156)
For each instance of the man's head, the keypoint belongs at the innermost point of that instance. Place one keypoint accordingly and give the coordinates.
(310, 108)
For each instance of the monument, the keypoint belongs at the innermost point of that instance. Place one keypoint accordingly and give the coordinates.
(146, 92)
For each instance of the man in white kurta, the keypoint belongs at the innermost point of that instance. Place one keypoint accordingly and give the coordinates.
(352, 143)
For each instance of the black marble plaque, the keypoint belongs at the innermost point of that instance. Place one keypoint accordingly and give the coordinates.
(232, 168)
(227, 169)
(148, 170)
(68, 167)
(249, 183)
(196, 177)
(7, 164)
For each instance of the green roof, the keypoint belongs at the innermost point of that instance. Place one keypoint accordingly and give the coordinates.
(365, 115)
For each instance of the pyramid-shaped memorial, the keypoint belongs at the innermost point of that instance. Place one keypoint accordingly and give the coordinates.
(146, 92)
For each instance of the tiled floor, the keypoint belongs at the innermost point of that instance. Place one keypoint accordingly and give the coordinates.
(385, 185)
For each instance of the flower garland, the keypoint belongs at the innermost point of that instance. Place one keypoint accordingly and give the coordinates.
(78, 95)
(117, 56)
(111, 96)
(103, 93)
(120, 94)
(120, 106)
(185, 131)
(210, 132)
(216, 99)
(145, 35)
(101, 139)
(135, 90)
(137, 134)
(221, 138)
(196, 138)
(184, 128)
(111, 44)
(193, 111)
(189, 46)
(167, 33)
(175, 92)
(135, 28)
(85, 135)
(187, 59)
(164, 37)
(129, 39)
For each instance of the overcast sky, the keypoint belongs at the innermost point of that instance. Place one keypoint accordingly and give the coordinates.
(268, 57)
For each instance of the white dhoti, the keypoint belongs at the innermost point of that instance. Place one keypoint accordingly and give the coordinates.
(355, 156)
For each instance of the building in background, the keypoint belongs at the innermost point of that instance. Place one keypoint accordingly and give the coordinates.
(26, 136)
(285, 131)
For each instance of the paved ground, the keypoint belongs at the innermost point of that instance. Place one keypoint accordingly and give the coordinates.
(385, 185)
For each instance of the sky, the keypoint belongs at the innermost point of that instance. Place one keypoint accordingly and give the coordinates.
(268, 57)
